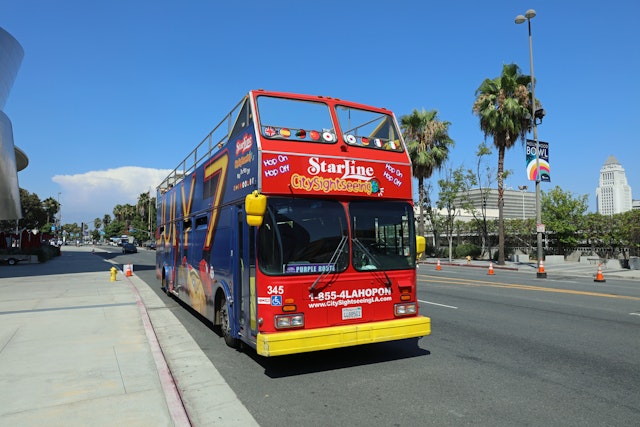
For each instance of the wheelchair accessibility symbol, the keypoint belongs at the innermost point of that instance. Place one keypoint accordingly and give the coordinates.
(276, 300)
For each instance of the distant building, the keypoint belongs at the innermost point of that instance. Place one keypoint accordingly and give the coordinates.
(635, 205)
(518, 204)
(613, 192)
(12, 159)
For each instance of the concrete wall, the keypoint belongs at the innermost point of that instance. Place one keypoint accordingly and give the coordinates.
(554, 259)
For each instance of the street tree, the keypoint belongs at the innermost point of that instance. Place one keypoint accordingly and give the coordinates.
(146, 212)
(428, 142)
(51, 207)
(630, 222)
(432, 218)
(481, 178)
(503, 105)
(106, 219)
(562, 214)
(115, 229)
(449, 201)
(34, 215)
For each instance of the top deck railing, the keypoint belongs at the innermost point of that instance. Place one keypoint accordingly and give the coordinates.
(212, 143)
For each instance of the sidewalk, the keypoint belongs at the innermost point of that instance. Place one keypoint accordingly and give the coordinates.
(77, 349)
(564, 269)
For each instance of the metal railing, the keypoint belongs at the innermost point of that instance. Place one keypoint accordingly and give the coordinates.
(212, 143)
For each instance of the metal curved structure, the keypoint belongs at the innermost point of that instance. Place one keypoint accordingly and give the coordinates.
(12, 159)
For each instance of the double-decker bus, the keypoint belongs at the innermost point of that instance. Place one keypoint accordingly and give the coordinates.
(290, 227)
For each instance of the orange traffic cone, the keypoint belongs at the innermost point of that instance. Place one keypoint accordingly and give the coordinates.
(599, 276)
(438, 265)
(541, 273)
(490, 272)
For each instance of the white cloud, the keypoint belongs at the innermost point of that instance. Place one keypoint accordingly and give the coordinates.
(93, 194)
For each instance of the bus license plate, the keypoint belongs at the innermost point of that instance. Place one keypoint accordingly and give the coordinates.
(352, 313)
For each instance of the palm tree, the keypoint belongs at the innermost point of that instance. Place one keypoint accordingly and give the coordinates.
(51, 207)
(504, 106)
(129, 213)
(143, 205)
(428, 143)
(118, 212)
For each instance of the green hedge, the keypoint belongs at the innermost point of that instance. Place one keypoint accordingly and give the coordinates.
(467, 249)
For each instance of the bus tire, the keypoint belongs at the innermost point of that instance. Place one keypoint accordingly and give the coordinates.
(164, 285)
(225, 325)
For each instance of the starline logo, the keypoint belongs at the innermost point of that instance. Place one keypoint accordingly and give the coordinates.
(349, 169)
(243, 145)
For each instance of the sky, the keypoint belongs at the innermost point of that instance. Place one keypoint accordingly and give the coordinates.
(111, 96)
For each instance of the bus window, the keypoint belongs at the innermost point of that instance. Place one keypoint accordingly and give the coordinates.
(295, 120)
(383, 235)
(269, 246)
(368, 129)
(242, 121)
(302, 236)
(202, 221)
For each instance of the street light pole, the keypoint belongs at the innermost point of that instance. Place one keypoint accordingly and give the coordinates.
(530, 14)
(59, 219)
(523, 188)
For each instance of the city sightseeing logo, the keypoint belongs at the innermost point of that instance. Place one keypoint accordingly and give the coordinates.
(352, 178)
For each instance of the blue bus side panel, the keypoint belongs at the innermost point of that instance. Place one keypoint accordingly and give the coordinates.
(200, 219)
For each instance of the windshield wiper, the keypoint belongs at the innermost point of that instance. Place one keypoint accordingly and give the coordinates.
(332, 261)
(376, 262)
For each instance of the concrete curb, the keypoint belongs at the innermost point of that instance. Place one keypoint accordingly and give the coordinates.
(206, 396)
(174, 401)
(455, 264)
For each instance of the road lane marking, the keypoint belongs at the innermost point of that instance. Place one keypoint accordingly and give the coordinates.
(469, 282)
(439, 305)
(634, 314)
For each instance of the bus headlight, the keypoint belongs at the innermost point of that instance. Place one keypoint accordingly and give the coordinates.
(408, 309)
(289, 321)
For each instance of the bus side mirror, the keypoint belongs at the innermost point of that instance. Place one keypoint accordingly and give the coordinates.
(421, 246)
(255, 205)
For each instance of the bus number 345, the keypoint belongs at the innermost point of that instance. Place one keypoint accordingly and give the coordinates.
(275, 289)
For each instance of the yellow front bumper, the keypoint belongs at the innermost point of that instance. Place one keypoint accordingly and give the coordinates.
(300, 341)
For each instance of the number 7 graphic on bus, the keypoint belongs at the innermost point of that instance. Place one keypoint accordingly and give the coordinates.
(215, 176)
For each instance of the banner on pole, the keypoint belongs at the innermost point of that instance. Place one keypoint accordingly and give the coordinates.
(544, 173)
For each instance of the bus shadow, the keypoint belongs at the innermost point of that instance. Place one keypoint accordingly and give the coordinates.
(329, 360)
(121, 259)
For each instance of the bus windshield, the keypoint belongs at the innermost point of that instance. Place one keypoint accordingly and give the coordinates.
(368, 129)
(295, 120)
(383, 235)
(300, 236)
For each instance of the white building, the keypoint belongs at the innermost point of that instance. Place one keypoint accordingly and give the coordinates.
(613, 192)
(518, 204)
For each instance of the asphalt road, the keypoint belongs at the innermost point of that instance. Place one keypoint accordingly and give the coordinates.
(507, 349)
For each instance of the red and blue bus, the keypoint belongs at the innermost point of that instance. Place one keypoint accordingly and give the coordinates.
(290, 227)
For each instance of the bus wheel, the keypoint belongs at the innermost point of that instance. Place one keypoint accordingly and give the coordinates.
(164, 285)
(225, 325)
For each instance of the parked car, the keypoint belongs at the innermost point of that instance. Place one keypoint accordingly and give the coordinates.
(129, 248)
(13, 259)
(150, 244)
